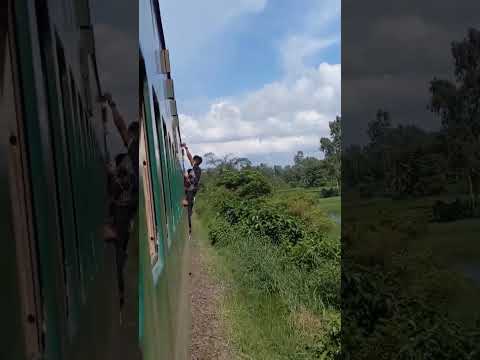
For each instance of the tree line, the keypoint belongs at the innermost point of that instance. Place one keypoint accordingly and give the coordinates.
(405, 160)
(306, 171)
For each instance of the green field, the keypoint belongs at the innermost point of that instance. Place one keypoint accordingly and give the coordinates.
(283, 298)
(331, 205)
(424, 267)
(408, 224)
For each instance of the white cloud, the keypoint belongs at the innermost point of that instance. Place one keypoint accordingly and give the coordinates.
(279, 117)
(322, 14)
(259, 146)
(298, 47)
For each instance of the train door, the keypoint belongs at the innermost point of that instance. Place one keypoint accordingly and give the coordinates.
(45, 179)
(21, 300)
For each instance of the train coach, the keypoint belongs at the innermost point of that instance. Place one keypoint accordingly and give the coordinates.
(61, 297)
(164, 312)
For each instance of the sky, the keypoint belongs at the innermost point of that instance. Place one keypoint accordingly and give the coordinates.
(391, 51)
(255, 78)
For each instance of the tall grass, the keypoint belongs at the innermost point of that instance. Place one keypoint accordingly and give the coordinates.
(284, 261)
(400, 288)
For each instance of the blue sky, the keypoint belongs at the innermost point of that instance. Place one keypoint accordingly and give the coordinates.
(255, 78)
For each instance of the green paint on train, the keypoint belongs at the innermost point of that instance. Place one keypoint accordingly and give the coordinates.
(62, 298)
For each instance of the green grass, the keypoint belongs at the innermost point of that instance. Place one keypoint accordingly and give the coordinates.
(331, 205)
(389, 227)
(273, 309)
(451, 243)
(254, 323)
(302, 189)
(259, 326)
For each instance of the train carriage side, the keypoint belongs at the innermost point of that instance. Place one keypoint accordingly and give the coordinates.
(64, 298)
(164, 251)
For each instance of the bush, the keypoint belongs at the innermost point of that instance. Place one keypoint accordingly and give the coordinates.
(261, 219)
(303, 206)
(329, 192)
(303, 274)
(377, 309)
(277, 246)
(314, 250)
(219, 232)
(445, 212)
(246, 183)
(367, 190)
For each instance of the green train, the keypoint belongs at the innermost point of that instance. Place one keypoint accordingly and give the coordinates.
(62, 298)
(164, 305)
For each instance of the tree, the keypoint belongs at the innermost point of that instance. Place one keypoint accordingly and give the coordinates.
(211, 159)
(315, 172)
(332, 148)
(242, 163)
(378, 128)
(458, 106)
(226, 162)
(297, 160)
(247, 183)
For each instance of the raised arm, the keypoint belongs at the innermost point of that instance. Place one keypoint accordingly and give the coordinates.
(118, 120)
(190, 157)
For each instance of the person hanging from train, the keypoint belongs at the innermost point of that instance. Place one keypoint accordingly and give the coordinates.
(123, 209)
(188, 180)
(130, 135)
(123, 188)
(192, 190)
(188, 184)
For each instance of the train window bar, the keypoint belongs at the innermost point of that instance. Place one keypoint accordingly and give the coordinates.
(163, 61)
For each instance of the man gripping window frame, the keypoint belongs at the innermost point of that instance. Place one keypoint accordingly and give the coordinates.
(195, 161)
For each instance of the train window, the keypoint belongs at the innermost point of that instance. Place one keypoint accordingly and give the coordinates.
(152, 178)
(75, 108)
(163, 169)
(81, 133)
(83, 179)
(58, 106)
(175, 141)
(173, 169)
(64, 89)
(168, 171)
(147, 188)
(75, 149)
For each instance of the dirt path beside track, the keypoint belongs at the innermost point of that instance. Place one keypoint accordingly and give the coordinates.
(208, 334)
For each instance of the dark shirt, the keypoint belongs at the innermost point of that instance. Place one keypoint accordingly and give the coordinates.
(133, 153)
(122, 184)
(196, 179)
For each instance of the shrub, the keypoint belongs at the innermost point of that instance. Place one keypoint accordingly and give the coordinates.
(329, 192)
(219, 232)
(261, 219)
(274, 224)
(246, 183)
(444, 212)
(377, 309)
(304, 207)
(278, 246)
